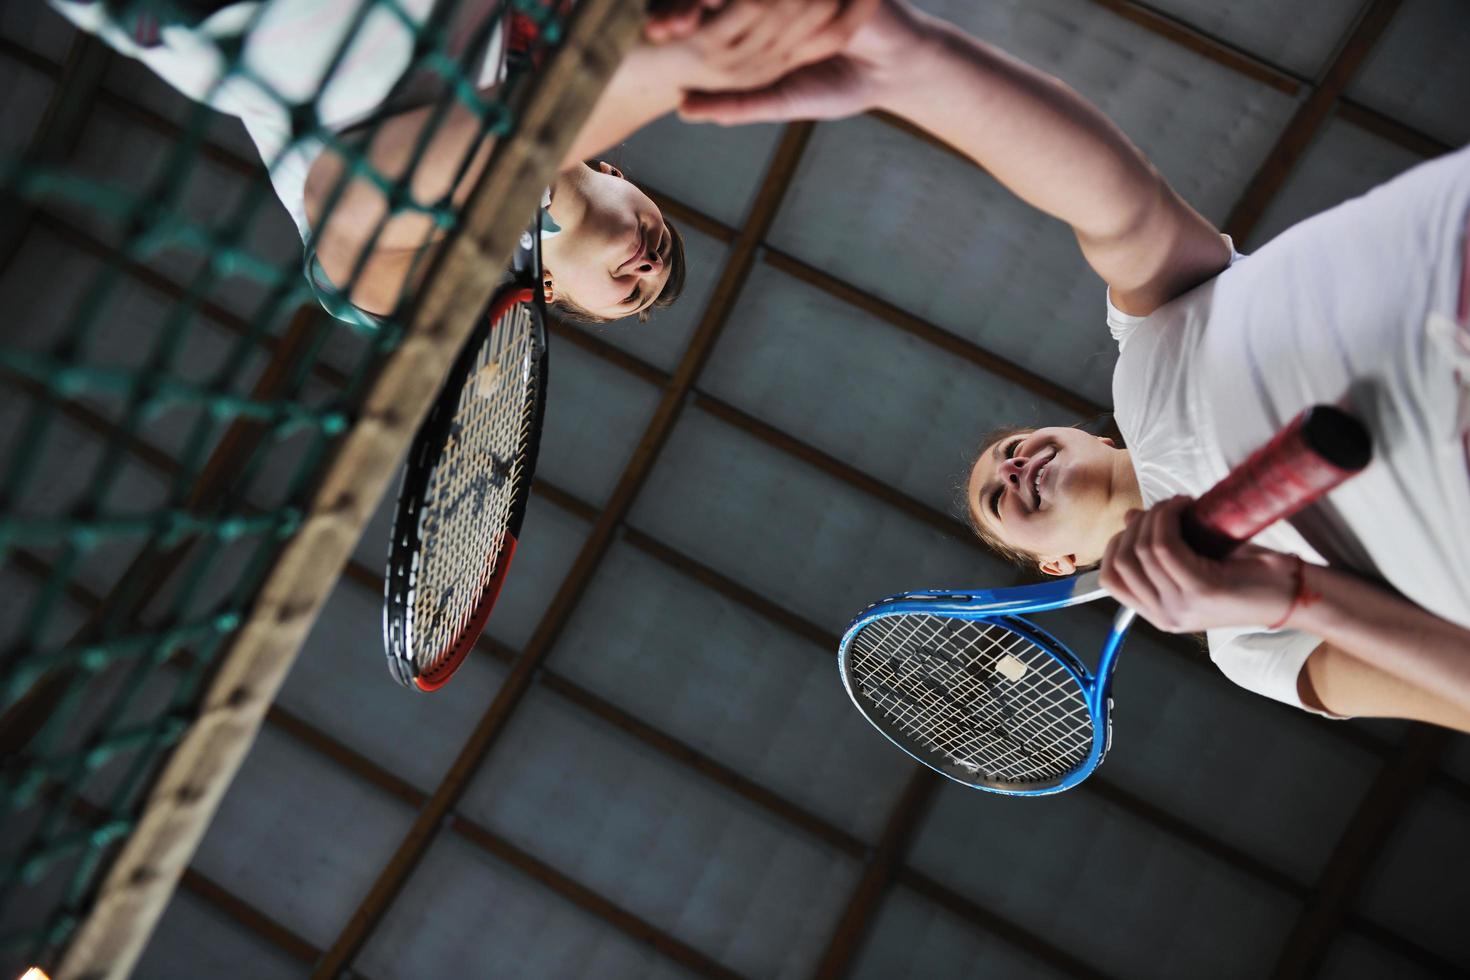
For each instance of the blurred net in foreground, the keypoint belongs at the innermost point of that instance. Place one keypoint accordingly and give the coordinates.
(171, 394)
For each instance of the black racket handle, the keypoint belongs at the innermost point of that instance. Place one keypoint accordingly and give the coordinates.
(1315, 452)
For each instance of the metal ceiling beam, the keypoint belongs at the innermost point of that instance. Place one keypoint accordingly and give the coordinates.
(249, 916)
(1033, 944)
(1308, 119)
(1397, 787)
(742, 255)
(57, 133)
(1206, 45)
(492, 843)
(898, 833)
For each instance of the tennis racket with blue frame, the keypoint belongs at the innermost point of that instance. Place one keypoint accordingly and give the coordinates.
(968, 686)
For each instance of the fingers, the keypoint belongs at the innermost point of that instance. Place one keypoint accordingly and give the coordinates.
(767, 104)
(1150, 563)
(675, 20)
(1123, 574)
(825, 90)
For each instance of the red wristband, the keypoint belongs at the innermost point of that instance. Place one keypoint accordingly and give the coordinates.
(1300, 576)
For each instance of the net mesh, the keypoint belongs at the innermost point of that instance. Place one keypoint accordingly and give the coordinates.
(974, 698)
(172, 386)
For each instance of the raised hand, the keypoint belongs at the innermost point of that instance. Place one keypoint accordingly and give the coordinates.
(713, 45)
(838, 70)
(1149, 568)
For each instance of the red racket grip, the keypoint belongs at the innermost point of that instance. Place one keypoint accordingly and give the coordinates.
(1318, 450)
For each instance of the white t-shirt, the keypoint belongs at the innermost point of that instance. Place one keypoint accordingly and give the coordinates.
(1355, 307)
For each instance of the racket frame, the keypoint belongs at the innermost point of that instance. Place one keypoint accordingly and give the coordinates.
(1003, 607)
(404, 541)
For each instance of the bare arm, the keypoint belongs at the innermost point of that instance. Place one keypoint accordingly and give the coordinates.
(1382, 655)
(1035, 135)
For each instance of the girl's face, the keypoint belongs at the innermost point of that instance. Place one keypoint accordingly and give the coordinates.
(611, 256)
(1057, 493)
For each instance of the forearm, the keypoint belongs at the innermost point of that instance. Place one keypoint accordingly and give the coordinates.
(645, 86)
(1388, 633)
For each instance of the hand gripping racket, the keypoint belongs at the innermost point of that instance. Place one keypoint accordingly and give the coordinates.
(466, 484)
(965, 685)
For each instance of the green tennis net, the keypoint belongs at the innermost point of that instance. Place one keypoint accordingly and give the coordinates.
(170, 389)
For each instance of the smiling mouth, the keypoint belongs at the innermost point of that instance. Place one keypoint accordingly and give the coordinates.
(1036, 477)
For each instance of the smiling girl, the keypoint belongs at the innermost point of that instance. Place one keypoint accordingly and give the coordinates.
(1362, 605)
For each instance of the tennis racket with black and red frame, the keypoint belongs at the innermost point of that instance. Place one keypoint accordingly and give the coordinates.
(968, 686)
(466, 485)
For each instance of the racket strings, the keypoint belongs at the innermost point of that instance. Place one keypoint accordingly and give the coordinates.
(472, 489)
(985, 697)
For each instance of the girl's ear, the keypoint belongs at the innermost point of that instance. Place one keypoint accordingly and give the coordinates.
(1107, 441)
(1065, 565)
(609, 169)
(548, 287)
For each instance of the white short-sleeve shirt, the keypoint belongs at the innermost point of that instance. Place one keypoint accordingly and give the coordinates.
(1356, 307)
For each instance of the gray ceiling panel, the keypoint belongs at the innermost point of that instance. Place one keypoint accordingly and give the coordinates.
(1353, 957)
(127, 160)
(595, 414)
(672, 848)
(465, 914)
(711, 168)
(1281, 786)
(1419, 73)
(195, 939)
(156, 96)
(817, 546)
(1272, 29)
(19, 593)
(1205, 126)
(1093, 880)
(341, 685)
(24, 95)
(953, 247)
(914, 939)
(741, 689)
(662, 340)
(36, 28)
(1343, 162)
(299, 836)
(840, 379)
(60, 479)
(550, 541)
(1429, 847)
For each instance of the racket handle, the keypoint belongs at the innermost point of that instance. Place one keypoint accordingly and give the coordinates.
(1318, 450)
